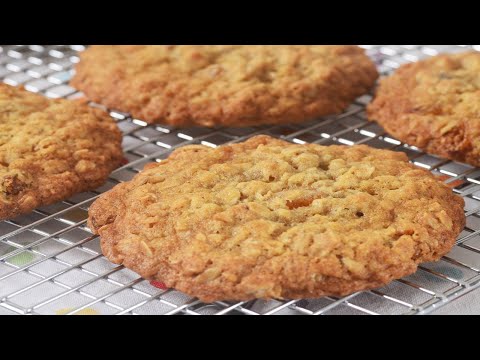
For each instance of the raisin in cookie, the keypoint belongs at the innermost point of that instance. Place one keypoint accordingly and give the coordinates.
(435, 105)
(227, 85)
(270, 219)
(51, 149)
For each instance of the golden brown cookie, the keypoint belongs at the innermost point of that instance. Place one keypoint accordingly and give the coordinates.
(228, 85)
(270, 219)
(51, 149)
(435, 105)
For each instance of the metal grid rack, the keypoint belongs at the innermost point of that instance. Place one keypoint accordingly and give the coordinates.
(51, 264)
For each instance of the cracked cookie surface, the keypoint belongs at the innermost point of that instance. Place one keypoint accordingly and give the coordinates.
(228, 85)
(51, 149)
(270, 219)
(435, 105)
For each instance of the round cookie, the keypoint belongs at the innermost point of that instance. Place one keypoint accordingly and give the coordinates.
(435, 105)
(227, 85)
(51, 149)
(270, 219)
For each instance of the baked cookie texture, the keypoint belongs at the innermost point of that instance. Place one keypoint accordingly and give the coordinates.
(435, 105)
(270, 219)
(51, 149)
(228, 85)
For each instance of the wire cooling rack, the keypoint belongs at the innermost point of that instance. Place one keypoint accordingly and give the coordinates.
(51, 264)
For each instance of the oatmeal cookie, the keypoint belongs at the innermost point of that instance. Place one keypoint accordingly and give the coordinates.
(435, 105)
(226, 85)
(51, 149)
(270, 219)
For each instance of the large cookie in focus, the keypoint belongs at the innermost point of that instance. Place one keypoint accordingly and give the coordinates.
(270, 219)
